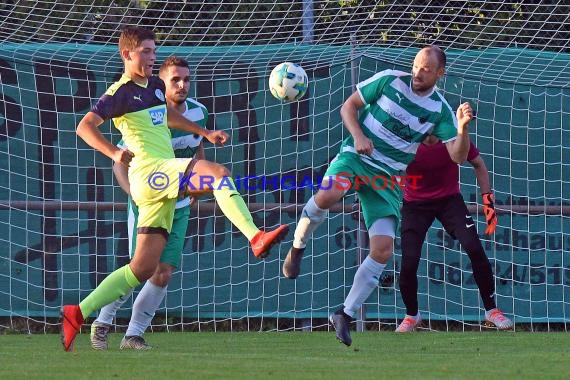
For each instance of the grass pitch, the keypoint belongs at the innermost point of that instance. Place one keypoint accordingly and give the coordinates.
(294, 355)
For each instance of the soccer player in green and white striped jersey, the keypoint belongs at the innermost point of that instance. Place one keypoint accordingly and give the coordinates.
(399, 110)
(175, 73)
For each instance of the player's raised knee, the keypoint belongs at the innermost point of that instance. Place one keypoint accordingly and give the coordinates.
(221, 171)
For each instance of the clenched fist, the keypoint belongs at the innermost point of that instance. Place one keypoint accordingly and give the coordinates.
(464, 114)
(123, 156)
(218, 137)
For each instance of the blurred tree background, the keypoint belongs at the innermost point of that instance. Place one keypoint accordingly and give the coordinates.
(534, 24)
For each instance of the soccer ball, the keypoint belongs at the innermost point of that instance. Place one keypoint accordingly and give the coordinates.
(288, 82)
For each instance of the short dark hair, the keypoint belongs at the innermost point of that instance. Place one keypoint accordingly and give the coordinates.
(439, 54)
(132, 36)
(173, 61)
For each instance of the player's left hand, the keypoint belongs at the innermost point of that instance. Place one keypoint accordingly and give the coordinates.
(464, 114)
(489, 212)
(218, 138)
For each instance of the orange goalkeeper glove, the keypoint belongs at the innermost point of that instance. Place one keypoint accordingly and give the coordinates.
(489, 212)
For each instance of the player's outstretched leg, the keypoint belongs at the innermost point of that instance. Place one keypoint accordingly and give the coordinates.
(234, 208)
(341, 323)
(71, 321)
(292, 263)
(312, 217)
(262, 241)
(208, 176)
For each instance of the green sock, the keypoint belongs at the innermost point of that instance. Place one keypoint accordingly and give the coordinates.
(234, 208)
(115, 285)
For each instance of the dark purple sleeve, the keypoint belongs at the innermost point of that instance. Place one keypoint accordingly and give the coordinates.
(473, 152)
(108, 107)
(156, 81)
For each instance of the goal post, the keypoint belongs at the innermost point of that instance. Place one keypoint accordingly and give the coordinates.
(62, 218)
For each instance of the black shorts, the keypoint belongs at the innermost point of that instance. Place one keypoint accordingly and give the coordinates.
(418, 216)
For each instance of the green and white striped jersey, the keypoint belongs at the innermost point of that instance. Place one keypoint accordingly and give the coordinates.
(184, 143)
(397, 120)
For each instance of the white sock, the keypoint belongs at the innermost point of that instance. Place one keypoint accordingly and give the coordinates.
(146, 303)
(108, 312)
(365, 280)
(311, 217)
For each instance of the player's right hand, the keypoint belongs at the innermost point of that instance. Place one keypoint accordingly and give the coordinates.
(363, 145)
(123, 156)
(217, 137)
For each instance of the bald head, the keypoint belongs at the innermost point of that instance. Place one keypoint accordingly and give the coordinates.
(429, 66)
(437, 53)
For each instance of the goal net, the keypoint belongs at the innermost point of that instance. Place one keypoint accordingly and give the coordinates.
(62, 214)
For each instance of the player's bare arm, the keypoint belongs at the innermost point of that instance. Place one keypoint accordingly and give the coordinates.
(484, 181)
(177, 121)
(218, 138)
(122, 175)
(200, 154)
(88, 130)
(459, 148)
(349, 114)
(482, 174)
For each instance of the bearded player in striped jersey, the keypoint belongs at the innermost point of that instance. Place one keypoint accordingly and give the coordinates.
(175, 72)
(399, 111)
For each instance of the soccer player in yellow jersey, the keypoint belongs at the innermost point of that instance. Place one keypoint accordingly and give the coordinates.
(175, 72)
(137, 105)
